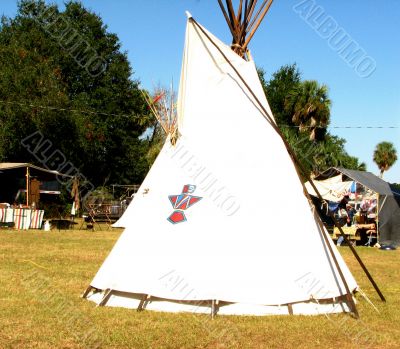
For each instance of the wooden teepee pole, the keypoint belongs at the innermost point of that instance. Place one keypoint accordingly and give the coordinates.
(232, 15)
(221, 5)
(239, 11)
(259, 20)
(252, 6)
(242, 22)
(28, 180)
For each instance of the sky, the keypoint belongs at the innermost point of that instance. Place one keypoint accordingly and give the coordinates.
(364, 88)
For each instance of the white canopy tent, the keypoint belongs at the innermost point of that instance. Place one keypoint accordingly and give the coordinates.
(207, 229)
(331, 189)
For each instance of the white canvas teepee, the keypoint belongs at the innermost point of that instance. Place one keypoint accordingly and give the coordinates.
(221, 223)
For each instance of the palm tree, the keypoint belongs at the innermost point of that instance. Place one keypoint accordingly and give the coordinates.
(362, 166)
(385, 155)
(310, 107)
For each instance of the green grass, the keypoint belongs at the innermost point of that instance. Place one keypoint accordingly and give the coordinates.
(43, 274)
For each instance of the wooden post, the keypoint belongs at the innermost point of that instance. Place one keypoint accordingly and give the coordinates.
(27, 185)
(377, 217)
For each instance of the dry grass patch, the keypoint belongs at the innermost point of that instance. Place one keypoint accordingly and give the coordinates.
(43, 275)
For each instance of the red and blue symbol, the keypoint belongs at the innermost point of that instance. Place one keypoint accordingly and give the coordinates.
(182, 202)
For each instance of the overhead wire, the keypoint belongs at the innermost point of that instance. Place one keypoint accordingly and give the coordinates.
(69, 109)
(93, 112)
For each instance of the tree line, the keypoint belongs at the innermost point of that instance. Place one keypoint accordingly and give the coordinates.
(93, 115)
(302, 111)
(63, 76)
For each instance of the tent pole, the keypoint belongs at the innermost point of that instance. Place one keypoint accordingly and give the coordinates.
(377, 217)
(27, 185)
(214, 307)
(297, 164)
(88, 289)
(143, 302)
(107, 295)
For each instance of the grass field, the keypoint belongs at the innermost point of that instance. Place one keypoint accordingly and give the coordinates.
(43, 274)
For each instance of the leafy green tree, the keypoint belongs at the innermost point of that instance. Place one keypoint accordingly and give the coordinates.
(385, 155)
(156, 141)
(305, 105)
(63, 74)
(317, 157)
(286, 79)
(362, 166)
(309, 105)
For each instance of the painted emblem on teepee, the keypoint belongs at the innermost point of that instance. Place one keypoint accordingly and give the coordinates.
(182, 202)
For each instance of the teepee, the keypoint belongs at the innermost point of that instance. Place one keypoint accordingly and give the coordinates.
(221, 223)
